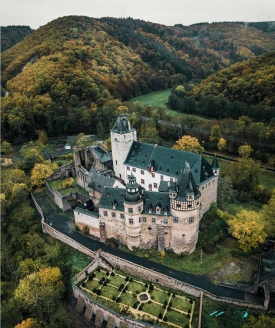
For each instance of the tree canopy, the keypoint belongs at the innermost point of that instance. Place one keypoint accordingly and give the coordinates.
(188, 143)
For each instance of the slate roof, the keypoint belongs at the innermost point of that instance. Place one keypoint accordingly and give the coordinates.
(111, 195)
(215, 164)
(102, 154)
(168, 161)
(267, 267)
(122, 125)
(154, 198)
(98, 182)
(87, 208)
(186, 184)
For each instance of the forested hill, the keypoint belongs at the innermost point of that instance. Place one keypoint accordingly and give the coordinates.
(251, 82)
(10, 35)
(75, 62)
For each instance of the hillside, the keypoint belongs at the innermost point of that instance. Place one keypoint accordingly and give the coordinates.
(10, 35)
(251, 82)
(68, 68)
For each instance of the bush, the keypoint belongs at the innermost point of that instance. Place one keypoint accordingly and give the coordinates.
(94, 290)
(131, 279)
(189, 311)
(152, 297)
(165, 319)
(103, 279)
(98, 292)
(98, 269)
(105, 283)
(126, 278)
(113, 298)
(135, 305)
(107, 273)
(118, 299)
(76, 227)
(112, 273)
(86, 230)
(160, 316)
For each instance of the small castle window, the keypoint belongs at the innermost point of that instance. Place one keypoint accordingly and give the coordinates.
(144, 219)
(134, 169)
(178, 206)
(113, 214)
(116, 162)
(122, 216)
(161, 177)
(149, 228)
(142, 172)
(175, 219)
(128, 168)
(142, 181)
(130, 210)
(165, 221)
(155, 185)
(105, 213)
(171, 179)
(153, 175)
(108, 194)
(139, 219)
(139, 208)
(131, 221)
(153, 220)
(191, 219)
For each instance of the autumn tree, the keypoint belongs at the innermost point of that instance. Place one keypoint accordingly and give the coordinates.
(40, 292)
(262, 321)
(149, 131)
(83, 141)
(28, 323)
(42, 137)
(6, 147)
(215, 135)
(39, 173)
(267, 213)
(221, 144)
(188, 143)
(245, 151)
(248, 229)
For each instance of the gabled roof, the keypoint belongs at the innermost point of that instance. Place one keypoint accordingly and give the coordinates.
(122, 125)
(215, 164)
(154, 198)
(98, 182)
(186, 184)
(111, 195)
(168, 161)
(103, 155)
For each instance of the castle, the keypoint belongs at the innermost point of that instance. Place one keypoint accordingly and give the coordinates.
(144, 195)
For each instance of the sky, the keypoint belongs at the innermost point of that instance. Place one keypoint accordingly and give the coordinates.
(36, 13)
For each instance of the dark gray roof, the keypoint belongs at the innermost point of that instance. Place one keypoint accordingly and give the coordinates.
(186, 184)
(122, 125)
(98, 182)
(168, 161)
(267, 267)
(103, 155)
(111, 195)
(87, 208)
(215, 164)
(154, 198)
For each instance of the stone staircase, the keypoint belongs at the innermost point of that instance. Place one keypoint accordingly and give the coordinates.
(160, 238)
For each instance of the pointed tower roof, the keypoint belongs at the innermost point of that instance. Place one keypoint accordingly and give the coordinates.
(122, 125)
(133, 190)
(186, 183)
(215, 164)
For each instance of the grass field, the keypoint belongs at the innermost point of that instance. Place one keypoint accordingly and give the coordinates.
(149, 310)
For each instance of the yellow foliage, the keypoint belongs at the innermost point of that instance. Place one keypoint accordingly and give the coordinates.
(39, 173)
(29, 323)
(188, 143)
(248, 229)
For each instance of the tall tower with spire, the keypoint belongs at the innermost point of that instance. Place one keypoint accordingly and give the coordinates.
(122, 137)
(185, 208)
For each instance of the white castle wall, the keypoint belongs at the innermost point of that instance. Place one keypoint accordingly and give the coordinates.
(82, 220)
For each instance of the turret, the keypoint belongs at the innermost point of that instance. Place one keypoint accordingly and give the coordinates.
(122, 137)
(215, 166)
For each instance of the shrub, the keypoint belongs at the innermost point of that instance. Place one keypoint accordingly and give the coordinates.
(94, 290)
(150, 302)
(83, 284)
(76, 227)
(137, 291)
(135, 305)
(100, 282)
(189, 311)
(131, 279)
(190, 301)
(165, 302)
(105, 283)
(188, 315)
(113, 298)
(165, 319)
(107, 273)
(112, 273)
(152, 297)
(160, 316)
(98, 292)
(126, 278)
(124, 290)
(98, 269)
(118, 299)
(86, 230)
(121, 286)
(103, 279)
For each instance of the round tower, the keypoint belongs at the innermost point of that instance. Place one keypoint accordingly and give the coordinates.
(133, 207)
(122, 137)
(185, 203)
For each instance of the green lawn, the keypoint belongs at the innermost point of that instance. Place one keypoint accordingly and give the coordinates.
(135, 286)
(159, 295)
(109, 291)
(181, 304)
(177, 318)
(157, 98)
(117, 280)
(153, 309)
(129, 298)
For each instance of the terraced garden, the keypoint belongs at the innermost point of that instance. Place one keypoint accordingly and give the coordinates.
(138, 298)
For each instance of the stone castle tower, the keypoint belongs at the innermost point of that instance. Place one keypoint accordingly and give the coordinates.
(122, 137)
(185, 208)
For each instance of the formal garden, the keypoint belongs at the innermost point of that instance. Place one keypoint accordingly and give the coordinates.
(139, 299)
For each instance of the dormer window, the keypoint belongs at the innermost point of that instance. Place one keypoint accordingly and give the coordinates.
(158, 210)
(150, 208)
